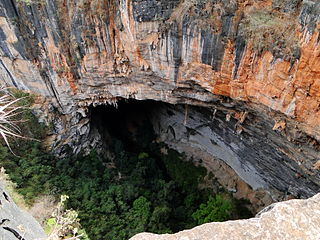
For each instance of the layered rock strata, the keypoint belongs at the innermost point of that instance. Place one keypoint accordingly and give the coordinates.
(248, 144)
(89, 52)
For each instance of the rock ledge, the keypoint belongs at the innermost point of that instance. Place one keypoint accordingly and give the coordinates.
(293, 219)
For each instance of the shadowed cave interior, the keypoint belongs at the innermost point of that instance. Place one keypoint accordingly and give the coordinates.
(165, 190)
(159, 168)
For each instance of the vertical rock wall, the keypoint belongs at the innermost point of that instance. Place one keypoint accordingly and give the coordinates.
(89, 52)
(258, 155)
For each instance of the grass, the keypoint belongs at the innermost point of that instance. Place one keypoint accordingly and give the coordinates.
(272, 31)
(10, 187)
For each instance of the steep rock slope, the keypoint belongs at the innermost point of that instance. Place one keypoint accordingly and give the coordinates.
(83, 50)
(237, 58)
(15, 223)
(209, 139)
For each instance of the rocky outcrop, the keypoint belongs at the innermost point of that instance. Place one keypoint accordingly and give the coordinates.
(218, 138)
(84, 53)
(15, 223)
(293, 219)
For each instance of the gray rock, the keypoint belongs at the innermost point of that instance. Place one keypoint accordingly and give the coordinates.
(290, 220)
(16, 223)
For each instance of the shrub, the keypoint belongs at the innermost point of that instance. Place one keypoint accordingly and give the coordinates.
(43, 208)
(217, 209)
(64, 223)
(144, 191)
(272, 31)
(29, 2)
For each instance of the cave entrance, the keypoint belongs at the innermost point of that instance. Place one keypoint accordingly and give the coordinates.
(146, 185)
(124, 122)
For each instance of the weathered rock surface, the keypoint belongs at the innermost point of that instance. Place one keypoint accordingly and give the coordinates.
(89, 52)
(290, 220)
(213, 137)
(15, 223)
(83, 52)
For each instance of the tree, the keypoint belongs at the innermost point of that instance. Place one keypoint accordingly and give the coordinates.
(217, 209)
(139, 215)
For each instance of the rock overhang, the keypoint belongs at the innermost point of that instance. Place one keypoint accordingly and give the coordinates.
(97, 52)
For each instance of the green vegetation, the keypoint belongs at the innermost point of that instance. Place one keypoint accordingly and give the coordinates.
(272, 31)
(29, 2)
(64, 222)
(216, 209)
(135, 191)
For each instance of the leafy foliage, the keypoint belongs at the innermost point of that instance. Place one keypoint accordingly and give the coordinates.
(64, 223)
(216, 209)
(116, 198)
(29, 2)
(112, 203)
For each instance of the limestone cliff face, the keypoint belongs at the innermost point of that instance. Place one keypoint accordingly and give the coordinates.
(229, 149)
(197, 52)
(81, 50)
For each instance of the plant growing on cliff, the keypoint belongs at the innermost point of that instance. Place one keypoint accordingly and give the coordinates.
(64, 223)
(272, 31)
(139, 189)
(8, 116)
(29, 2)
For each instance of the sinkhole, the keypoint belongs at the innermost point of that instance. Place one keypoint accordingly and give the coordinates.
(160, 168)
(151, 178)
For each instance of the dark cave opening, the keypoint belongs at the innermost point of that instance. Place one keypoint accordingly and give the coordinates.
(124, 121)
(160, 168)
(168, 184)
